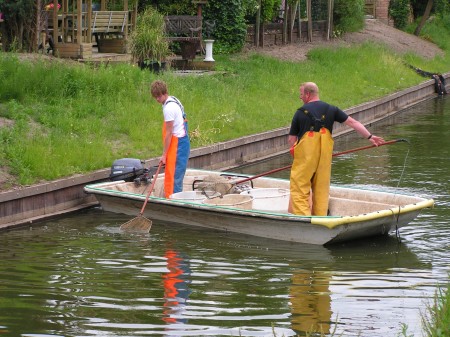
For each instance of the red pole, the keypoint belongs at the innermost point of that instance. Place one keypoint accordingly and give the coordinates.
(334, 155)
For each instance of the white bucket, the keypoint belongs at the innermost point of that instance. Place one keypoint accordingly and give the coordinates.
(232, 200)
(191, 196)
(269, 199)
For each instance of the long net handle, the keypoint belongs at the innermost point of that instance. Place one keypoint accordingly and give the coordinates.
(334, 155)
(151, 188)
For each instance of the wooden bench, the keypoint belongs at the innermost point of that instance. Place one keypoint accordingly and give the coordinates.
(183, 28)
(187, 30)
(109, 22)
(101, 23)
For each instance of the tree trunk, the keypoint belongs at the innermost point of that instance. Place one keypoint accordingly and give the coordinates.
(293, 14)
(39, 27)
(258, 24)
(425, 17)
(285, 22)
(310, 26)
(330, 19)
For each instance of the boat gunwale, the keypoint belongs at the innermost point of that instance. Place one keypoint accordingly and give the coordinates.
(201, 206)
(330, 222)
(345, 220)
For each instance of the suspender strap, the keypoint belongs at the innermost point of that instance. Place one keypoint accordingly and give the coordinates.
(175, 100)
(316, 124)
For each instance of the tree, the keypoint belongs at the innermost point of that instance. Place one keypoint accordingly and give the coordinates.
(19, 26)
(425, 17)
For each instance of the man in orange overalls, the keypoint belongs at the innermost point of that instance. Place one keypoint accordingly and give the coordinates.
(310, 137)
(175, 138)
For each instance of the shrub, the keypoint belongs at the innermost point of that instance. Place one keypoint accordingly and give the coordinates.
(348, 15)
(399, 10)
(148, 41)
(230, 28)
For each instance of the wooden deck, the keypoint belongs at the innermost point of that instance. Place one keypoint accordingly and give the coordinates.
(111, 58)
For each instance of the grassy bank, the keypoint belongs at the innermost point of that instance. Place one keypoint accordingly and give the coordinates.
(436, 321)
(72, 118)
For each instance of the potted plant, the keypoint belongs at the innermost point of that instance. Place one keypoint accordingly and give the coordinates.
(149, 46)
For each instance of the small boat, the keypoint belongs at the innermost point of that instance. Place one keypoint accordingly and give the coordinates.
(259, 207)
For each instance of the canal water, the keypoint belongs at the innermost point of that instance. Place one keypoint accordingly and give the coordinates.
(80, 276)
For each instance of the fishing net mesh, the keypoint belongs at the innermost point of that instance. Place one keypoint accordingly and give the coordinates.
(215, 186)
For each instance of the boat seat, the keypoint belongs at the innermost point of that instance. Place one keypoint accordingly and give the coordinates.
(343, 206)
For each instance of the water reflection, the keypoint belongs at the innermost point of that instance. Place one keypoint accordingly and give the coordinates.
(176, 286)
(310, 301)
(183, 281)
(314, 274)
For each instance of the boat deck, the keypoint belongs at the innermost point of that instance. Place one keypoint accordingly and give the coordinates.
(343, 201)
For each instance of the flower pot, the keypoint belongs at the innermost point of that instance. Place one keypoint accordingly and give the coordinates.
(118, 46)
(153, 66)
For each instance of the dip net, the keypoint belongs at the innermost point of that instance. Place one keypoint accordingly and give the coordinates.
(217, 186)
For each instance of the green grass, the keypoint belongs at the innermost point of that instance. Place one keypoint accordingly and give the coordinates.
(75, 118)
(437, 322)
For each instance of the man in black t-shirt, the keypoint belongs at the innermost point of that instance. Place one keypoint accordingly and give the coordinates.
(310, 138)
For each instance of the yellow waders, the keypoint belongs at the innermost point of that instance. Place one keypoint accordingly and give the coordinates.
(311, 169)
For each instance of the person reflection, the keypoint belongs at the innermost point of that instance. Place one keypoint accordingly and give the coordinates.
(176, 289)
(310, 302)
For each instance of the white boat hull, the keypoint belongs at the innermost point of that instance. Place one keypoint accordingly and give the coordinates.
(385, 212)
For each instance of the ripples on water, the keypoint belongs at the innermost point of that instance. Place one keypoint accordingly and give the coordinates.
(80, 276)
(95, 281)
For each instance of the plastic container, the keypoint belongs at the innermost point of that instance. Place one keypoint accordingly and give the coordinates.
(232, 200)
(191, 196)
(269, 199)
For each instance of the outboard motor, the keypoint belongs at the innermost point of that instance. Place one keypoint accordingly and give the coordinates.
(127, 169)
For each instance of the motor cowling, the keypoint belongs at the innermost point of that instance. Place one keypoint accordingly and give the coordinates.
(126, 169)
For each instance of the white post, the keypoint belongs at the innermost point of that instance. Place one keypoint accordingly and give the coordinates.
(208, 51)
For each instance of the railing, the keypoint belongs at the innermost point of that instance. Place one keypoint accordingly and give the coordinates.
(101, 22)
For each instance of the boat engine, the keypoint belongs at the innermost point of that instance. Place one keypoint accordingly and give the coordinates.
(127, 169)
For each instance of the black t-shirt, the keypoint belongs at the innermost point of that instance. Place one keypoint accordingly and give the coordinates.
(318, 110)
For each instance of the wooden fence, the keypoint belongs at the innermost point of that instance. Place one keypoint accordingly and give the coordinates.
(272, 33)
